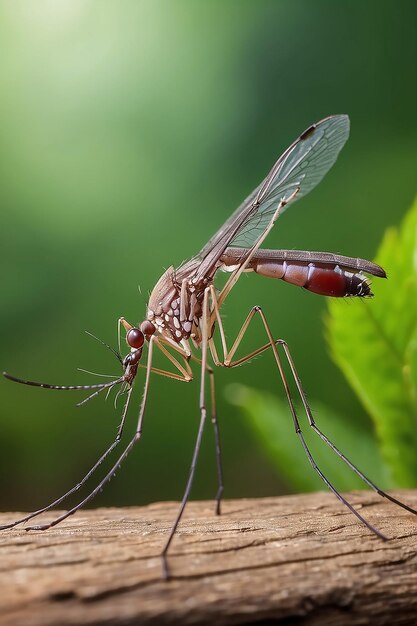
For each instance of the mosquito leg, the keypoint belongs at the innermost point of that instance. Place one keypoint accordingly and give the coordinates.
(228, 362)
(83, 480)
(215, 423)
(185, 372)
(93, 493)
(122, 457)
(324, 437)
(197, 446)
(216, 429)
(165, 568)
(313, 424)
(58, 501)
(119, 324)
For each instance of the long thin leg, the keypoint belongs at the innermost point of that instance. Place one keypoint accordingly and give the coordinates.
(229, 362)
(324, 437)
(185, 371)
(215, 423)
(311, 421)
(217, 444)
(197, 447)
(83, 480)
(121, 458)
(107, 452)
(300, 434)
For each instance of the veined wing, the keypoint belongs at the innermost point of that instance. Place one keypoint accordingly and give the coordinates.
(301, 167)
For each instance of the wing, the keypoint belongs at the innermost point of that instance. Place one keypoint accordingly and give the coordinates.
(301, 167)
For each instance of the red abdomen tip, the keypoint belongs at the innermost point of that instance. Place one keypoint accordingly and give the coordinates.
(337, 283)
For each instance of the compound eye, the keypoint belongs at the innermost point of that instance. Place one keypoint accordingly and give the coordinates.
(135, 338)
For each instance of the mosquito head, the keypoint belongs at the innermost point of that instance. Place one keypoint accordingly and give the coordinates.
(135, 338)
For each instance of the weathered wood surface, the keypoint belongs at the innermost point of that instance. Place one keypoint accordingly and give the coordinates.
(303, 559)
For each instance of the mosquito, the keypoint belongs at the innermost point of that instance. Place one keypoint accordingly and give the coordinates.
(184, 312)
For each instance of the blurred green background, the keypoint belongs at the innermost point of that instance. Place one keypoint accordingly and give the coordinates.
(129, 132)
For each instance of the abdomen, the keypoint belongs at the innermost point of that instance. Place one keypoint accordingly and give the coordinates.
(320, 272)
(325, 280)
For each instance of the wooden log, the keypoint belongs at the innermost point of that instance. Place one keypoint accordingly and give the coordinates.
(303, 559)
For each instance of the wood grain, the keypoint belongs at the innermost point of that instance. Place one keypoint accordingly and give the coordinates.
(294, 559)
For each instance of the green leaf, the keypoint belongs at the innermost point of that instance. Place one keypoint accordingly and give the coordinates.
(375, 345)
(271, 422)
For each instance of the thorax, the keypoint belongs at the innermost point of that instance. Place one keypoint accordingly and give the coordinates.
(175, 304)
